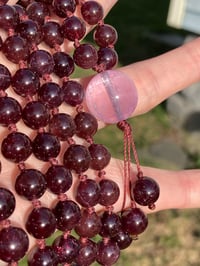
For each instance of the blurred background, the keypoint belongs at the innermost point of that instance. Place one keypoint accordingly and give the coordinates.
(167, 137)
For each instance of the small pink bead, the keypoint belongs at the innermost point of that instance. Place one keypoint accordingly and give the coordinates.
(111, 96)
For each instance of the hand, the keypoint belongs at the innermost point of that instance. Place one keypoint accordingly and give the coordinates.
(156, 79)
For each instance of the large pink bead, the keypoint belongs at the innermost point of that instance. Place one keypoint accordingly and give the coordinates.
(111, 96)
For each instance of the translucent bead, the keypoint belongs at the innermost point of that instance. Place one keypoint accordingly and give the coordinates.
(111, 96)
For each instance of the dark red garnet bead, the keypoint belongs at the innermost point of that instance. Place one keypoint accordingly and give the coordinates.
(111, 224)
(30, 184)
(50, 94)
(8, 17)
(15, 48)
(109, 192)
(7, 203)
(52, 35)
(35, 115)
(89, 225)
(105, 35)
(41, 223)
(85, 56)
(77, 158)
(134, 221)
(107, 58)
(58, 178)
(108, 252)
(66, 248)
(5, 79)
(46, 146)
(21, 11)
(73, 28)
(64, 64)
(87, 252)
(67, 214)
(42, 257)
(62, 125)
(145, 191)
(88, 193)
(37, 11)
(73, 92)
(13, 244)
(16, 147)
(123, 239)
(10, 111)
(41, 61)
(92, 12)
(63, 8)
(25, 82)
(29, 30)
(100, 156)
(86, 125)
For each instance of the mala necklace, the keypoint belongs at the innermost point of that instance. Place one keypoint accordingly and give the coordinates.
(110, 97)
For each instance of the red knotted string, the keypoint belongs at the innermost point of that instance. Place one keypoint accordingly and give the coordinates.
(129, 146)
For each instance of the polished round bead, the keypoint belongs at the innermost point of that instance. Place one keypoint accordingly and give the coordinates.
(145, 191)
(73, 92)
(63, 8)
(111, 224)
(85, 56)
(88, 193)
(35, 115)
(123, 239)
(134, 221)
(100, 156)
(15, 48)
(21, 11)
(5, 79)
(64, 64)
(37, 11)
(58, 178)
(13, 244)
(66, 248)
(41, 223)
(107, 58)
(8, 17)
(87, 253)
(67, 213)
(29, 30)
(111, 96)
(46, 146)
(50, 93)
(86, 125)
(30, 184)
(10, 111)
(25, 82)
(41, 61)
(89, 225)
(77, 158)
(42, 257)
(107, 253)
(109, 192)
(7, 203)
(16, 147)
(92, 12)
(105, 35)
(62, 125)
(73, 28)
(52, 35)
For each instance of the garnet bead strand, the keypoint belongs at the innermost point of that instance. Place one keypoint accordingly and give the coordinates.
(92, 12)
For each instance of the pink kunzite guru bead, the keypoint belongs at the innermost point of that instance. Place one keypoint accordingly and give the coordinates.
(111, 96)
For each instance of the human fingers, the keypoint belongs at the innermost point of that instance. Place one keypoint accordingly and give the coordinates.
(158, 78)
